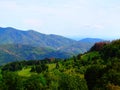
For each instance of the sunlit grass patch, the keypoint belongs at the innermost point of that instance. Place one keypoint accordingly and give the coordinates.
(25, 72)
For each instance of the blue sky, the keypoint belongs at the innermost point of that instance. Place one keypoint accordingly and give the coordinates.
(71, 18)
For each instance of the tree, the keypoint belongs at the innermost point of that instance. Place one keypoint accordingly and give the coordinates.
(44, 67)
(92, 76)
(68, 82)
(74, 58)
(98, 46)
(38, 69)
(79, 56)
(57, 65)
(34, 82)
(12, 81)
(33, 69)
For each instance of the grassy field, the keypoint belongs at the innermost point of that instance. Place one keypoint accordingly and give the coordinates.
(51, 66)
(25, 72)
(89, 55)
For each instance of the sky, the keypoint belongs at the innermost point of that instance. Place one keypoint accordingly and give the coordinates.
(71, 18)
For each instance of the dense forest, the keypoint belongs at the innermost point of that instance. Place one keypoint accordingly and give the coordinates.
(97, 69)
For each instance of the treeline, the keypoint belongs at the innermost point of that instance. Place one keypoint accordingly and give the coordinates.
(18, 65)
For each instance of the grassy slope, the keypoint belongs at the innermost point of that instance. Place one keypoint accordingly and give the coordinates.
(89, 55)
(25, 72)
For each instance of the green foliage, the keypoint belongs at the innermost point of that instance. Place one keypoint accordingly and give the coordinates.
(57, 65)
(111, 50)
(92, 75)
(33, 69)
(12, 66)
(99, 76)
(34, 83)
(25, 72)
(68, 82)
(11, 81)
(39, 68)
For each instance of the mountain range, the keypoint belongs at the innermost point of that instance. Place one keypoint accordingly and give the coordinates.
(26, 45)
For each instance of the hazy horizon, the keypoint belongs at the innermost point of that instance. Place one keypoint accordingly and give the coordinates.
(74, 19)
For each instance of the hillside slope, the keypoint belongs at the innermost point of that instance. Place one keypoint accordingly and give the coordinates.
(10, 53)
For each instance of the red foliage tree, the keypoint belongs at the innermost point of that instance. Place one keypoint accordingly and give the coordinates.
(98, 46)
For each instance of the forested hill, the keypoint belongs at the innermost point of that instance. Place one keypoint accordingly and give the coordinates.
(98, 69)
(17, 45)
(17, 52)
(14, 36)
(11, 35)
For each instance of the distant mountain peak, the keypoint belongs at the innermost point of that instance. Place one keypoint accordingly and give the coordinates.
(10, 28)
(91, 40)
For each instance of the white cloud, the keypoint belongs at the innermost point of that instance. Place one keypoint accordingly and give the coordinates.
(94, 26)
(8, 5)
(60, 16)
(33, 23)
